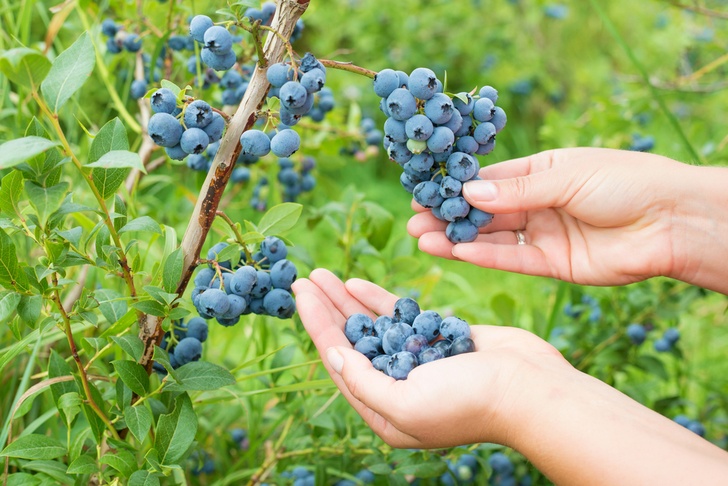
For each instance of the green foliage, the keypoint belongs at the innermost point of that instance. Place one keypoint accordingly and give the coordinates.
(88, 245)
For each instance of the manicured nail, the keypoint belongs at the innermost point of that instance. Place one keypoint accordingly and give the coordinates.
(480, 190)
(335, 359)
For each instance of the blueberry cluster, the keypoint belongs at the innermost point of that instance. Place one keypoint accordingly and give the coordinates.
(690, 424)
(234, 85)
(463, 471)
(435, 139)
(588, 304)
(296, 178)
(201, 463)
(265, 15)
(296, 87)
(668, 340)
(183, 130)
(186, 345)
(259, 286)
(300, 476)
(119, 39)
(217, 43)
(398, 343)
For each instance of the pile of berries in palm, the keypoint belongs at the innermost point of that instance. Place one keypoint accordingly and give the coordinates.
(183, 343)
(259, 285)
(183, 130)
(435, 138)
(410, 337)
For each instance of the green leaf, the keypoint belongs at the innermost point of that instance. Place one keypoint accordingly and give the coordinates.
(201, 375)
(34, 446)
(24, 67)
(119, 159)
(11, 275)
(158, 294)
(161, 357)
(22, 479)
(427, 469)
(19, 150)
(379, 224)
(173, 267)
(54, 469)
(144, 224)
(280, 218)
(151, 307)
(143, 478)
(29, 308)
(111, 304)
(69, 72)
(57, 367)
(11, 192)
(45, 200)
(139, 420)
(70, 404)
(121, 460)
(112, 136)
(176, 431)
(130, 343)
(133, 375)
(84, 464)
(505, 308)
(8, 302)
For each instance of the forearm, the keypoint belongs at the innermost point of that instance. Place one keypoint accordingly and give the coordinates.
(585, 432)
(700, 228)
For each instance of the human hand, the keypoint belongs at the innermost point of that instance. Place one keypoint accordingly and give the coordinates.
(590, 216)
(487, 391)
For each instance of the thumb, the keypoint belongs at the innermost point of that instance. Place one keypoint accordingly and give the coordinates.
(363, 382)
(534, 191)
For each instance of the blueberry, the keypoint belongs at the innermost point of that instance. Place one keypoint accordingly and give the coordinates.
(112, 46)
(403, 79)
(279, 74)
(462, 166)
(671, 335)
(194, 141)
(489, 92)
(454, 208)
(499, 119)
(138, 89)
(419, 127)
(369, 346)
(401, 364)
(415, 344)
(484, 110)
(109, 28)
(243, 280)
(462, 345)
(479, 218)
(198, 114)
(262, 285)
(682, 420)
(132, 43)
(293, 95)
(357, 326)
(187, 350)
(164, 130)
(441, 140)
(453, 327)
(382, 324)
(380, 362)
(405, 310)
(422, 83)
(204, 277)
(407, 182)
(500, 464)
(218, 62)
(395, 337)
(636, 333)
(484, 133)
(178, 42)
(464, 108)
(282, 274)
(697, 427)
(443, 345)
(274, 249)
(216, 128)
(279, 303)
(176, 152)
(163, 101)
(401, 104)
(427, 324)
(198, 26)
(214, 302)
(450, 187)
(218, 40)
(439, 109)
(237, 306)
(395, 130)
(430, 354)
(422, 162)
(427, 194)
(399, 153)
(314, 80)
(386, 81)
(456, 121)
(662, 345)
(255, 143)
(197, 328)
(285, 143)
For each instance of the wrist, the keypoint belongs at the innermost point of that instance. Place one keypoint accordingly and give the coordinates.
(700, 228)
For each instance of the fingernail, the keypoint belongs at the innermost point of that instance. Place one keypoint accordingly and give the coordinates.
(336, 361)
(480, 190)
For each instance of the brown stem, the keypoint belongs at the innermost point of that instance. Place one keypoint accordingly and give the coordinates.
(701, 10)
(347, 66)
(56, 296)
(287, 13)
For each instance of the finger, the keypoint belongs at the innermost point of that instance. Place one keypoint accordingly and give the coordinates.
(372, 296)
(519, 167)
(436, 243)
(335, 290)
(304, 285)
(526, 259)
(316, 314)
(422, 223)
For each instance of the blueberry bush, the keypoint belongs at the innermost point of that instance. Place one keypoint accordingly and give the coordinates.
(168, 169)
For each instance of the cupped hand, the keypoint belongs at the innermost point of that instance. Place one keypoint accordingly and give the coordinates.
(590, 216)
(469, 398)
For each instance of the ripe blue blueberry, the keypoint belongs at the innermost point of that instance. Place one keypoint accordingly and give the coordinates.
(450, 187)
(283, 273)
(672, 336)
(164, 130)
(255, 143)
(401, 364)
(279, 74)
(380, 362)
(462, 166)
(274, 249)
(427, 324)
(489, 92)
(279, 303)
(163, 101)
(415, 344)
(441, 140)
(430, 354)
(395, 336)
(454, 327)
(465, 108)
(427, 194)
(405, 310)
(662, 345)
(381, 324)
(439, 109)
(501, 464)
(636, 333)
(422, 83)
(461, 231)
(216, 128)
(293, 95)
(454, 208)
(499, 119)
(357, 326)
(132, 43)
(394, 130)
(218, 62)
(479, 218)
(484, 110)
(187, 350)
(262, 284)
(419, 127)
(314, 80)
(285, 143)
(198, 114)
(197, 328)
(369, 346)
(138, 88)
(401, 104)
(194, 141)
(198, 26)
(218, 40)
(214, 302)
(462, 345)
(386, 81)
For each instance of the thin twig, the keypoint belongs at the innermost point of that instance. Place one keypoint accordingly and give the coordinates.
(347, 66)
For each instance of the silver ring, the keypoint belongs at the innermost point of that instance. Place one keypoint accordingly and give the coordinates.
(520, 237)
